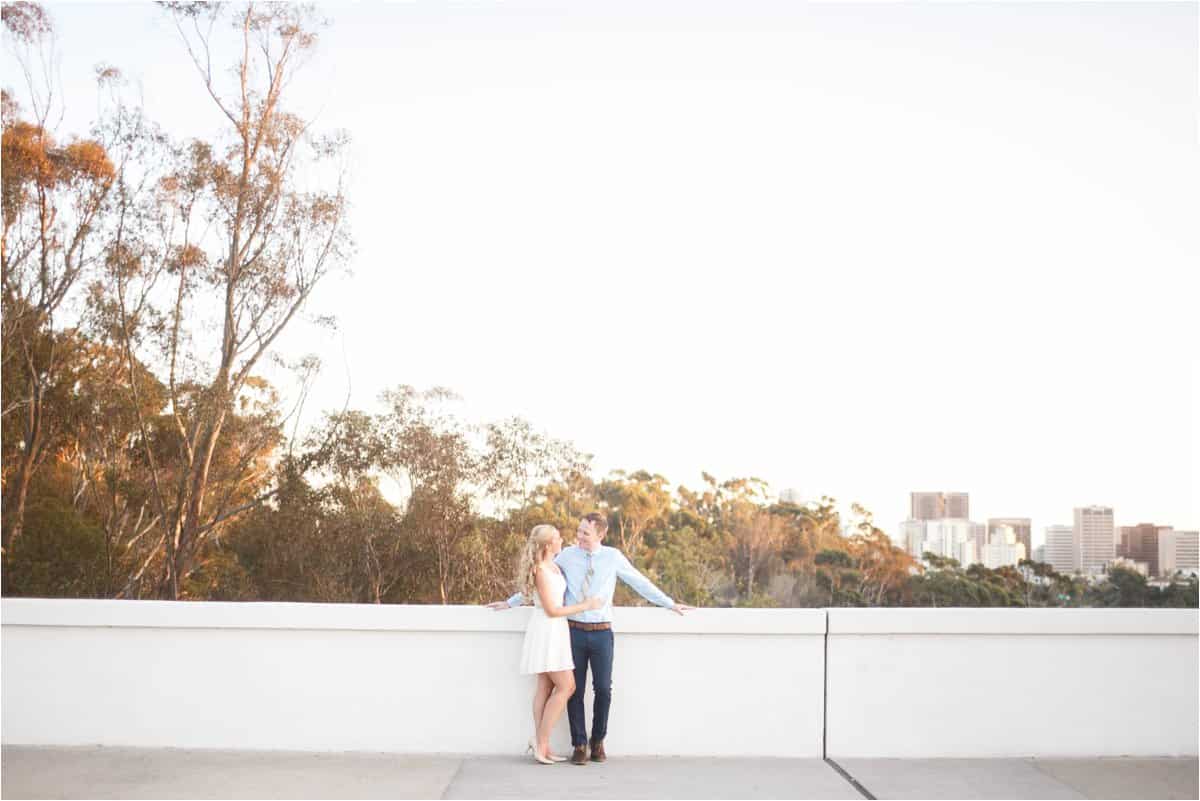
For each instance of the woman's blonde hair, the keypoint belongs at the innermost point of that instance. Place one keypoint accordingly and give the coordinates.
(531, 555)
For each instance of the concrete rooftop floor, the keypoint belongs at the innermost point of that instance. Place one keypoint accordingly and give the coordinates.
(103, 772)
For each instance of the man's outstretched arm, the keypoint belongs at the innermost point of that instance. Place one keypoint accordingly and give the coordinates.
(516, 600)
(629, 574)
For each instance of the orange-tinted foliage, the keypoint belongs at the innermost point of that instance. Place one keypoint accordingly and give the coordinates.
(31, 156)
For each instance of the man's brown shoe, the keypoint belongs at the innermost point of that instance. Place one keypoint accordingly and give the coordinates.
(579, 757)
(598, 754)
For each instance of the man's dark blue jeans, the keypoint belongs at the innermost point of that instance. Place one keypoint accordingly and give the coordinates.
(595, 648)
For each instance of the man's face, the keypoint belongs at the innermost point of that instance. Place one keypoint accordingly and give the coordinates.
(589, 538)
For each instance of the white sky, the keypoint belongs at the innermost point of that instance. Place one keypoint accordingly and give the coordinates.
(854, 249)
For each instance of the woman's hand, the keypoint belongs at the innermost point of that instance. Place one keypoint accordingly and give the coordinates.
(595, 602)
(498, 606)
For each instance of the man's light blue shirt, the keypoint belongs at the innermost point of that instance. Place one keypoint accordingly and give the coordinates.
(608, 565)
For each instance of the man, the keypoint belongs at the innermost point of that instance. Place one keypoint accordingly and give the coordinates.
(593, 569)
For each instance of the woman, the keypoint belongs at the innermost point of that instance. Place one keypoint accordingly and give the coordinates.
(547, 648)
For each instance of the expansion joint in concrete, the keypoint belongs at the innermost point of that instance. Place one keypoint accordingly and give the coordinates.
(853, 781)
(446, 791)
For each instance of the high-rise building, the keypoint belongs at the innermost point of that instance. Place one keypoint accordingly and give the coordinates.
(957, 505)
(1178, 550)
(1039, 553)
(1021, 526)
(912, 537)
(1003, 548)
(925, 506)
(952, 538)
(1140, 544)
(939, 505)
(1059, 551)
(979, 535)
(1093, 536)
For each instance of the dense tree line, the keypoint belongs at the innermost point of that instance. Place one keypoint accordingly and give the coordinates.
(146, 281)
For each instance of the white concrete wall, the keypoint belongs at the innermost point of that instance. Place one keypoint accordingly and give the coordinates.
(1012, 682)
(727, 682)
(416, 679)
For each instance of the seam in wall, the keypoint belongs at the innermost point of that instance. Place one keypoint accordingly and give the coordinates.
(863, 791)
(825, 693)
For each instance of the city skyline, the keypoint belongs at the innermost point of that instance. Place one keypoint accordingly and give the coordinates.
(1035, 530)
(939, 523)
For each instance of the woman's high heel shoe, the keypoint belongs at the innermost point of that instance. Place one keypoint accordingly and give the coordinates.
(532, 748)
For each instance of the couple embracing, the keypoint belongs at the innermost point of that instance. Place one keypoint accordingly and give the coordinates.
(570, 628)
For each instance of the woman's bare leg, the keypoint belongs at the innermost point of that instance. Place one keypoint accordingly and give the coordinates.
(540, 694)
(564, 686)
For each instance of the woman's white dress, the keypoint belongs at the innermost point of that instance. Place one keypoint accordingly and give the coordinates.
(547, 645)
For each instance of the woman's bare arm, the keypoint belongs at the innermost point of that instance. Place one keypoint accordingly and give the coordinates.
(552, 606)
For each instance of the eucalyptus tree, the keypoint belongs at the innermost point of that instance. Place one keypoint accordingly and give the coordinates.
(55, 197)
(217, 259)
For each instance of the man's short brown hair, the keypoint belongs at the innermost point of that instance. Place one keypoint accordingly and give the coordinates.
(599, 520)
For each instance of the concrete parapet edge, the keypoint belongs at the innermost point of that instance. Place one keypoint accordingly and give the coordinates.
(91, 613)
(1156, 622)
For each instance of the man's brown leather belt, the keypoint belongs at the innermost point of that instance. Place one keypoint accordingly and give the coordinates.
(589, 626)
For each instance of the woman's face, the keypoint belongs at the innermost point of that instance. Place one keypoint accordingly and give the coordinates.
(553, 546)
